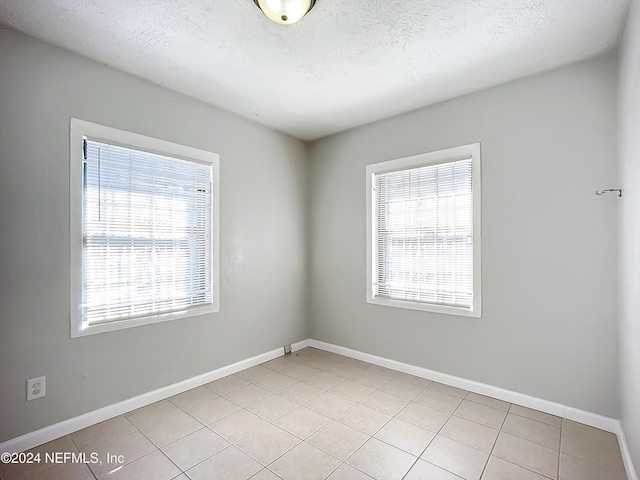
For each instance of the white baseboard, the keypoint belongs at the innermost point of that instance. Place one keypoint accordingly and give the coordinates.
(592, 419)
(300, 345)
(626, 455)
(44, 435)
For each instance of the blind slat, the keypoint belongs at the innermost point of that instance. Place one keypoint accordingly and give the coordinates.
(424, 234)
(147, 232)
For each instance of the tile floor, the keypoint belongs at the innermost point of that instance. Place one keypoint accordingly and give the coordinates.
(317, 415)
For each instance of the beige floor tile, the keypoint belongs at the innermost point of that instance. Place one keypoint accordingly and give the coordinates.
(476, 412)
(304, 462)
(402, 389)
(275, 382)
(596, 433)
(265, 474)
(129, 448)
(405, 436)
(278, 364)
(533, 430)
(247, 395)
(268, 443)
(438, 400)
(419, 381)
(324, 380)
(351, 390)
(364, 418)
(355, 362)
(226, 384)
(382, 370)
(423, 416)
(253, 374)
(327, 364)
(155, 466)
(488, 401)
(338, 440)
(299, 371)
(499, 469)
(342, 369)
(209, 412)
(171, 429)
(527, 454)
(145, 416)
(592, 449)
(423, 470)
(20, 471)
(238, 425)
(384, 402)
(272, 407)
(381, 460)
(302, 421)
(470, 433)
(330, 404)
(353, 369)
(371, 379)
(301, 392)
(574, 468)
(192, 397)
(318, 362)
(536, 415)
(306, 353)
(65, 471)
(229, 464)
(103, 432)
(455, 457)
(448, 389)
(194, 448)
(347, 472)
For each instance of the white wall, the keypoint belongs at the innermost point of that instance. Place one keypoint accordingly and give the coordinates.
(262, 238)
(629, 256)
(549, 261)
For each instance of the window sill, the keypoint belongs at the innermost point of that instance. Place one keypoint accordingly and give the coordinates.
(77, 330)
(426, 307)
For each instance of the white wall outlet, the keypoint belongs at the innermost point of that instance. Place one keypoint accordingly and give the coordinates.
(36, 388)
(287, 349)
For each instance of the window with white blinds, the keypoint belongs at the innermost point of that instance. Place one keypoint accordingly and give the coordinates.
(148, 231)
(424, 232)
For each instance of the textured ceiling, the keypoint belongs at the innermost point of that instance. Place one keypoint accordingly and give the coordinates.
(345, 64)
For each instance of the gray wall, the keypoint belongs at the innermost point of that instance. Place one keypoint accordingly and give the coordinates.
(549, 244)
(262, 238)
(630, 233)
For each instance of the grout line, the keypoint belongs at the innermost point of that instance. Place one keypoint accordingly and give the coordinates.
(560, 447)
(504, 420)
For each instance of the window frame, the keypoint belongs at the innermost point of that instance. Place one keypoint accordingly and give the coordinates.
(416, 161)
(82, 128)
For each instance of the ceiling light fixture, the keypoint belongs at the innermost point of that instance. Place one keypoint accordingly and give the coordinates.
(285, 12)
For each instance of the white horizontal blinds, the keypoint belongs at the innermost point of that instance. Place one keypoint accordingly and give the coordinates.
(424, 234)
(147, 222)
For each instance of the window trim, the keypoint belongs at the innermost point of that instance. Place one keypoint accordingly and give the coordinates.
(80, 128)
(414, 161)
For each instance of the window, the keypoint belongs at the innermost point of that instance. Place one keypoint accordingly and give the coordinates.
(144, 230)
(423, 232)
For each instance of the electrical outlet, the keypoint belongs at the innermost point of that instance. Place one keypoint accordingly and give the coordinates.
(36, 388)
(287, 349)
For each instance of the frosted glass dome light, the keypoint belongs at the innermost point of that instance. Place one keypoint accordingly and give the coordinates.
(285, 12)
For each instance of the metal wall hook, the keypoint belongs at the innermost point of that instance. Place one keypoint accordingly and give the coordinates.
(619, 190)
